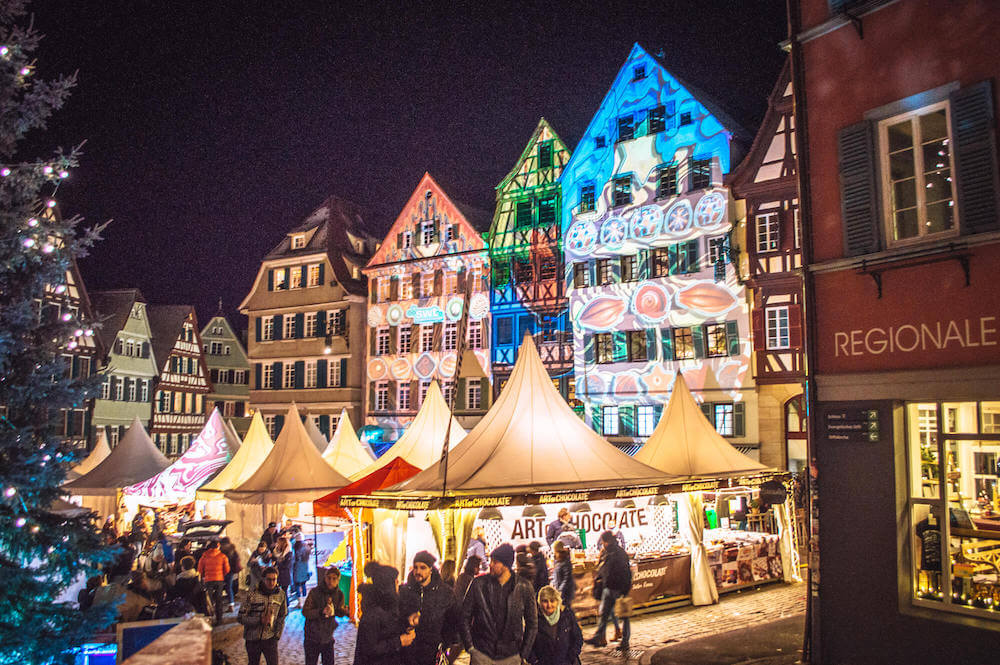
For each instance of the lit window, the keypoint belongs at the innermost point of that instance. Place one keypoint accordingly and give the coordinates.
(289, 378)
(310, 374)
(384, 289)
(473, 395)
(426, 285)
(382, 396)
(296, 277)
(267, 328)
(406, 288)
(604, 348)
(767, 232)
(279, 279)
(313, 279)
(622, 191)
(645, 420)
(587, 198)
(405, 338)
(636, 340)
(715, 338)
(382, 341)
(298, 241)
(723, 419)
(683, 344)
(609, 420)
(310, 324)
(777, 327)
(581, 275)
(660, 258)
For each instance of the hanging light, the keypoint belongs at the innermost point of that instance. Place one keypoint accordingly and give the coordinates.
(624, 503)
(490, 513)
(533, 511)
(582, 507)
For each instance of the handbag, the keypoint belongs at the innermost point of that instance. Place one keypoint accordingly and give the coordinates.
(624, 606)
(598, 589)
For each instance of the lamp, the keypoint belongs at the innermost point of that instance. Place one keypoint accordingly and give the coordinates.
(659, 500)
(490, 513)
(624, 503)
(533, 511)
(582, 507)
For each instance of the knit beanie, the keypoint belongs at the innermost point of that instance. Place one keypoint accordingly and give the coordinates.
(425, 557)
(504, 554)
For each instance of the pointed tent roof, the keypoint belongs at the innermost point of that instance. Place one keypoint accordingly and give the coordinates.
(293, 471)
(134, 459)
(531, 439)
(388, 475)
(345, 452)
(423, 440)
(255, 449)
(686, 444)
(234, 436)
(315, 435)
(210, 451)
(97, 455)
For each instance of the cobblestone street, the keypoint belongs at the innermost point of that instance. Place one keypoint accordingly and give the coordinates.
(649, 631)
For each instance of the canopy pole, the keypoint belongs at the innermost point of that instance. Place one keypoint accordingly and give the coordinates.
(315, 546)
(459, 353)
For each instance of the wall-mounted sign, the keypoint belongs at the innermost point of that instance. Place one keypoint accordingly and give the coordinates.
(852, 425)
(421, 315)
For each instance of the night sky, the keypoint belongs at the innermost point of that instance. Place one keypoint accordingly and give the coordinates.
(212, 128)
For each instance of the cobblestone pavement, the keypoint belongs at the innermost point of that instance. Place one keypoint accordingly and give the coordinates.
(649, 631)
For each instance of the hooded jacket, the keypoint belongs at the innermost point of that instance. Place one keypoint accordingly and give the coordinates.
(318, 628)
(439, 619)
(499, 632)
(379, 629)
(252, 610)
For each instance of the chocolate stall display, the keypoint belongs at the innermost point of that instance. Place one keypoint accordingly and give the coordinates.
(739, 558)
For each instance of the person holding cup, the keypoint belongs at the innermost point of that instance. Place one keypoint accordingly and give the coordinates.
(323, 605)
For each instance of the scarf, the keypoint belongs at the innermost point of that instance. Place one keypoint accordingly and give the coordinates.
(553, 618)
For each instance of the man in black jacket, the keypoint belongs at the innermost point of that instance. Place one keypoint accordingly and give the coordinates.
(614, 577)
(323, 605)
(439, 613)
(499, 618)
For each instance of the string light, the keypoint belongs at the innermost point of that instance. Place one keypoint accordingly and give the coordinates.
(48, 248)
(10, 491)
(61, 288)
(50, 203)
(4, 51)
(25, 71)
(5, 172)
(67, 316)
(29, 242)
(64, 174)
(33, 222)
(47, 170)
(20, 522)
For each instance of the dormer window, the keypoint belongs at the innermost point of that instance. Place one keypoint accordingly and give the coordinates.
(638, 72)
(298, 241)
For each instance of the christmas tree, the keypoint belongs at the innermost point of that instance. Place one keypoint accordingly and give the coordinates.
(41, 553)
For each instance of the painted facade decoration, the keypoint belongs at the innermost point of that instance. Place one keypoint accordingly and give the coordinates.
(418, 280)
(229, 372)
(527, 294)
(648, 231)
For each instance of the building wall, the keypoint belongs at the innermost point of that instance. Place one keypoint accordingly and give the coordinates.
(228, 371)
(179, 401)
(127, 363)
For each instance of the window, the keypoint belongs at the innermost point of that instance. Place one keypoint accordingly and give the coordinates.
(120, 390)
(604, 348)
(289, 327)
(547, 211)
(581, 275)
(382, 341)
(382, 396)
(132, 389)
(522, 214)
(797, 227)
(426, 285)
(505, 330)
(609, 420)
(313, 277)
(215, 349)
(718, 250)
(106, 388)
(723, 419)
(427, 232)
(449, 233)
(405, 240)
(310, 324)
(448, 389)
(638, 72)
(645, 420)
(384, 291)
(450, 336)
(425, 385)
(289, 377)
(683, 344)
(298, 241)
(476, 278)
(336, 323)
(915, 153)
(268, 376)
(604, 274)
(333, 376)
(405, 338)
(403, 395)
(129, 348)
(473, 395)
(715, 338)
(622, 191)
(549, 326)
(548, 269)
(636, 345)
(686, 257)
(626, 128)
(660, 258)
(685, 118)
(271, 423)
(777, 327)
(666, 182)
(701, 173)
(767, 232)
(310, 374)
(450, 281)
(657, 119)
(240, 377)
(475, 334)
(630, 268)
(296, 277)
(599, 142)
(586, 198)
(545, 155)
(426, 338)
(228, 349)
(406, 288)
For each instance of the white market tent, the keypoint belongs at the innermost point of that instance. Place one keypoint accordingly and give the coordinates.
(345, 452)
(531, 440)
(235, 436)
(315, 435)
(134, 459)
(293, 472)
(423, 441)
(210, 451)
(244, 463)
(97, 455)
(685, 443)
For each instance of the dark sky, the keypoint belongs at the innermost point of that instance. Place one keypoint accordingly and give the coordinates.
(214, 127)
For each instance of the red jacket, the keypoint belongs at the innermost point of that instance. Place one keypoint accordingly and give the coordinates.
(213, 566)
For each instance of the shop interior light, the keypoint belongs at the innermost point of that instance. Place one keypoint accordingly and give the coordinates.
(583, 507)
(533, 511)
(624, 503)
(490, 513)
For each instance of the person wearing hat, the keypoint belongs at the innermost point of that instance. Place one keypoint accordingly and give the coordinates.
(439, 613)
(270, 535)
(499, 620)
(380, 635)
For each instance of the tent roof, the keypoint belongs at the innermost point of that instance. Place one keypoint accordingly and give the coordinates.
(244, 464)
(396, 471)
(134, 459)
(315, 435)
(210, 451)
(423, 440)
(234, 436)
(345, 452)
(97, 455)
(685, 443)
(293, 471)
(531, 439)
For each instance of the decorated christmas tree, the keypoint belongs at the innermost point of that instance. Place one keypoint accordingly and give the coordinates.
(42, 553)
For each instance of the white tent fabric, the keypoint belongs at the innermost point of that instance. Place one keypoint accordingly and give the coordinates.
(685, 443)
(531, 439)
(315, 435)
(345, 452)
(97, 455)
(244, 463)
(423, 441)
(234, 435)
(692, 526)
(786, 541)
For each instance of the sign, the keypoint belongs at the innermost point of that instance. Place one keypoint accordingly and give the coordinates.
(852, 425)
(773, 492)
(421, 315)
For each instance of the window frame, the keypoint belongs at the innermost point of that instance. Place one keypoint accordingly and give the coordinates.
(774, 341)
(405, 339)
(645, 420)
(604, 348)
(621, 191)
(450, 336)
(682, 336)
(605, 275)
(767, 231)
(656, 119)
(718, 331)
(382, 341)
(309, 328)
(288, 376)
(588, 198)
(312, 275)
(659, 260)
(634, 339)
(334, 378)
(630, 268)
(310, 380)
(581, 275)
(701, 168)
(381, 391)
(473, 395)
(610, 425)
(267, 376)
(667, 181)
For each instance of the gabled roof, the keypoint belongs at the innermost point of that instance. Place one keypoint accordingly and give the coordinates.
(252, 453)
(531, 439)
(112, 309)
(166, 322)
(230, 333)
(97, 455)
(542, 128)
(134, 459)
(345, 452)
(778, 102)
(396, 471)
(684, 443)
(423, 441)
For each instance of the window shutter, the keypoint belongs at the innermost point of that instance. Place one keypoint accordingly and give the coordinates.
(733, 338)
(657, 414)
(437, 343)
(626, 418)
(371, 396)
(279, 326)
(270, 279)
(145, 349)
(279, 424)
(414, 394)
(975, 157)
(597, 419)
(588, 349)
(213, 375)
(462, 277)
(322, 272)
(795, 326)
(343, 371)
(438, 282)
(437, 230)
(672, 260)
(667, 339)
(485, 391)
(75, 367)
(393, 339)
(321, 372)
(652, 345)
(324, 426)
(277, 379)
(299, 325)
(256, 376)
(706, 408)
(620, 343)
(399, 240)
(460, 394)
(392, 405)
(373, 285)
(288, 279)
(118, 347)
(372, 339)
(321, 323)
(698, 340)
(856, 160)
(642, 265)
(757, 325)
(300, 373)
(256, 328)
(416, 285)
(739, 419)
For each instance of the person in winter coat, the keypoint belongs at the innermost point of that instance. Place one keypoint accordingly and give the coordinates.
(439, 613)
(300, 568)
(260, 559)
(477, 547)
(614, 578)
(379, 641)
(120, 568)
(262, 615)
(562, 574)
(557, 526)
(235, 566)
(213, 568)
(281, 556)
(322, 607)
(270, 535)
(526, 569)
(559, 640)
(465, 578)
(182, 550)
(499, 618)
(541, 565)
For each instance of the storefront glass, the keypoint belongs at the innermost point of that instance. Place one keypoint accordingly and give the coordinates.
(953, 450)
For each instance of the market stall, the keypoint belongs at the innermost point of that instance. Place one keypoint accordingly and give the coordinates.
(345, 452)
(97, 455)
(251, 454)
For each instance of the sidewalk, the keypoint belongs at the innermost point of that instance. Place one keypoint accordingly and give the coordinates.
(775, 643)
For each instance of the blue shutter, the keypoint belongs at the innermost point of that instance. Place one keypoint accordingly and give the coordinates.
(698, 340)
(343, 372)
(256, 376)
(321, 373)
(588, 349)
(733, 338)
(667, 340)
(279, 326)
(270, 279)
(975, 157)
(299, 325)
(652, 344)
(856, 160)
(276, 384)
(321, 321)
(300, 373)
(619, 342)
(597, 418)
(322, 271)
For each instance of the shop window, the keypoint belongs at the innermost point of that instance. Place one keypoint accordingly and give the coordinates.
(701, 172)
(636, 345)
(622, 192)
(581, 275)
(666, 182)
(683, 343)
(715, 339)
(587, 199)
(645, 420)
(776, 319)
(657, 119)
(604, 348)
(609, 421)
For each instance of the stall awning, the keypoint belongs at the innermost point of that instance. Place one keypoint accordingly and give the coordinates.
(394, 472)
